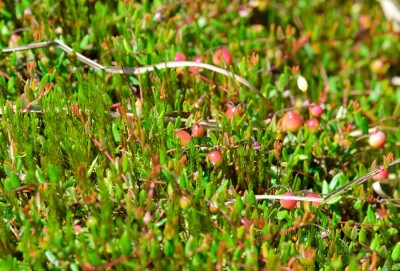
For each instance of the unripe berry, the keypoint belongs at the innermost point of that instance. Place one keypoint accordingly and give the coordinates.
(377, 140)
(220, 56)
(197, 59)
(215, 158)
(312, 124)
(313, 195)
(13, 40)
(179, 56)
(382, 175)
(379, 66)
(316, 110)
(288, 203)
(183, 136)
(291, 122)
(233, 111)
(198, 131)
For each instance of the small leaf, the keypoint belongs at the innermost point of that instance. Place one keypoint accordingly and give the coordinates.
(334, 200)
(396, 252)
(51, 257)
(115, 132)
(282, 214)
(222, 187)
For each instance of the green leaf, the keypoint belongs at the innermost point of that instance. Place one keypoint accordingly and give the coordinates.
(282, 214)
(334, 200)
(222, 187)
(396, 252)
(115, 132)
(51, 257)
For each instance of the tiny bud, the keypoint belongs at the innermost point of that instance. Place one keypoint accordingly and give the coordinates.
(256, 145)
(31, 66)
(302, 83)
(27, 15)
(138, 106)
(158, 17)
(199, 102)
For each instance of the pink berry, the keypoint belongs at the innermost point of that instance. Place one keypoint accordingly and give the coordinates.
(316, 110)
(233, 111)
(183, 136)
(198, 131)
(215, 158)
(179, 56)
(313, 195)
(377, 140)
(288, 203)
(197, 59)
(291, 122)
(312, 124)
(13, 40)
(222, 56)
(381, 175)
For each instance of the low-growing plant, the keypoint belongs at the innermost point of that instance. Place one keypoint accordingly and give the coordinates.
(188, 135)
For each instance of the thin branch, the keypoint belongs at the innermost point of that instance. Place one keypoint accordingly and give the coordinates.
(132, 70)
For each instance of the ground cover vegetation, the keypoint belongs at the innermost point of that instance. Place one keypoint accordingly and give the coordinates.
(233, 166)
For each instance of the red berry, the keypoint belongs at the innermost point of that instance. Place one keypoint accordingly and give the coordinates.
(312, 124)
(313, 195)
(288, 203)
(316, 110)
(183, 136)
(233, 111)
(198, 131)
(222, 56)
(13, 40)
(381, 175)
(291, 122)
(179, 56)
(377, 140)
(215, 158)
(197, 59)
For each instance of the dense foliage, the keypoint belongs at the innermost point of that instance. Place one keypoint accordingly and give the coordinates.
(82, 189)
